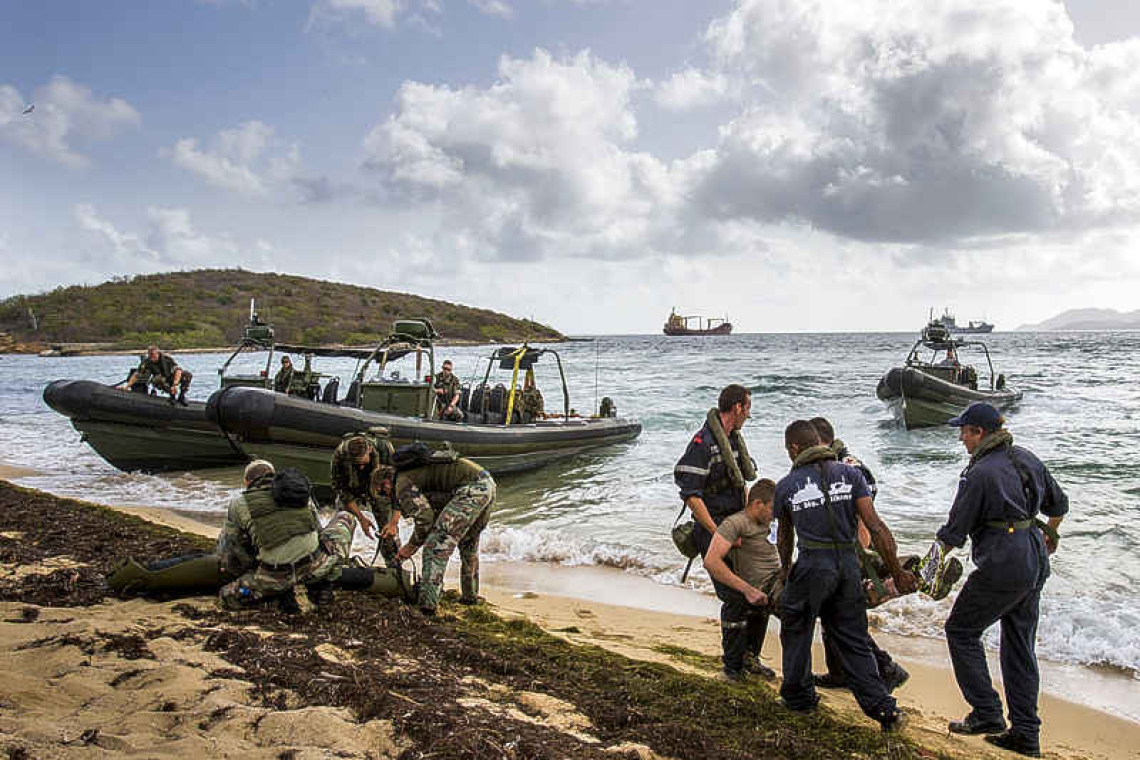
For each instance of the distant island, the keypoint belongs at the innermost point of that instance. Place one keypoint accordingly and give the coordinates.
(1089, 319)
(210, 307)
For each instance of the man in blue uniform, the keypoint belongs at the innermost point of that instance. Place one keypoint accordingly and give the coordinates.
(999, 496)
(821, 500)
(894, 675)
(713, 476)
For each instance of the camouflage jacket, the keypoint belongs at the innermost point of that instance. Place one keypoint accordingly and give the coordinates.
(283, 380)
(412, 486)
(237, 551)
(450, 386)
(163, 368)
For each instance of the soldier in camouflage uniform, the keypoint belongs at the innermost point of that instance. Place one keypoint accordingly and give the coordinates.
(447, 394)
(460, 522)
(283, 380)
(273, 539)
(531, 401)
(353, 464)
(164, 373)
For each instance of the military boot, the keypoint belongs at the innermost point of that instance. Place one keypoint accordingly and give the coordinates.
(320, 594)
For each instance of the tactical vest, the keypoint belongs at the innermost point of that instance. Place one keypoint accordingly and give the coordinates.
(272, 525)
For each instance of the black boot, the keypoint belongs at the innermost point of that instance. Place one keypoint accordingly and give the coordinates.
(320, 594)
(1015, 742)
(287, 603)
(972, 724)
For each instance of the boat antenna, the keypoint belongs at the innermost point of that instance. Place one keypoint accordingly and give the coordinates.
(596, 351)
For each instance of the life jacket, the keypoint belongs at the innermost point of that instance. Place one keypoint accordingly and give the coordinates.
(279, 509)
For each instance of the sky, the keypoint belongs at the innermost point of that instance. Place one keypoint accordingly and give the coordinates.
(794, 165)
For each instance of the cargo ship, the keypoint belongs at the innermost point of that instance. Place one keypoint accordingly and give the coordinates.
(696, 325)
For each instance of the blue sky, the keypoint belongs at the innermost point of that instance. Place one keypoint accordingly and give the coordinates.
(589, 163)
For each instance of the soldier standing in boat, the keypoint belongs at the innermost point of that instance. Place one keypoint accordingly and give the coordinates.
(283, 380)
(165, 374)
(712, 477)
(447, 394)
(999, 496)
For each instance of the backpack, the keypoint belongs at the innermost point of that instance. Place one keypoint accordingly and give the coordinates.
(418, 454)
(291, 489)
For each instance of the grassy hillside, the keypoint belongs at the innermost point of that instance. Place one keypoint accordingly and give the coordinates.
(210, 307)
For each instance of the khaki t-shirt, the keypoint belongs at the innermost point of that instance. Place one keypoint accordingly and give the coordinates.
(756, 558)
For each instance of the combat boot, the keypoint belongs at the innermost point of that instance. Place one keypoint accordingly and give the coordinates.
(972, 724)
(1015, 742)
(320, 594)
(753, 665)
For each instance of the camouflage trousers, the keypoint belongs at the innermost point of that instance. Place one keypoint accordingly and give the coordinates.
(459, 523)
(262, 583)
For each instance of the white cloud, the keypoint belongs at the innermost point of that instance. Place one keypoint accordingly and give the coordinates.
(65, 112)
(493, 7)
(534, 164)
(380, 13)
(924, 121)
(692, 88)
(170, 240)
(245, 159)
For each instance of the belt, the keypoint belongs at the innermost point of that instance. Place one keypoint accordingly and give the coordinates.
(851, 546)
(303, 562)
(1010, 526)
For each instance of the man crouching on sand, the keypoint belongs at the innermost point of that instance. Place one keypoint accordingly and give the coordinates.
(748, 581)
(273, 522)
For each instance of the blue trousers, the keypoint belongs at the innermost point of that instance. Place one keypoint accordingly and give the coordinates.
(980, 605)
(823, 586)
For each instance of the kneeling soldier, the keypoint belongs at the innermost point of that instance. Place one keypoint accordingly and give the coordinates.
(274, 521)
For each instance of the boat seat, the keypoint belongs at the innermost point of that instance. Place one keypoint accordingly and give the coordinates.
(464, 397)
(331, 389)
(498, 400)
(352, 398)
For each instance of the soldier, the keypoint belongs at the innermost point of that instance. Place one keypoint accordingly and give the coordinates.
(820, 500)
(894, 675)
(272, 536)
(999, 496)
(530, 401)
(283, 380)
(460, 521)
(712, 476)
(447, 394)
(353, 463)
(165, 374)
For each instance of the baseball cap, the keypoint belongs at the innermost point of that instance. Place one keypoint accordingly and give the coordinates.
(981, 414)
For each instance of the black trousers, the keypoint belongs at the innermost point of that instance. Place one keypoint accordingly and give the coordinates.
(829, 587)
(980, 605)
(742, 626)
(835, 663)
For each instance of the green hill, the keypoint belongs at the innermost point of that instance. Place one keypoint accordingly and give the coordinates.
(210, 307)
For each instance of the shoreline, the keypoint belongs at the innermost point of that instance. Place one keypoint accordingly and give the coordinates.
(637, 618)
(633, 616)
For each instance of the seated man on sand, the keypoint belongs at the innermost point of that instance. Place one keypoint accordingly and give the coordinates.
(746, 566)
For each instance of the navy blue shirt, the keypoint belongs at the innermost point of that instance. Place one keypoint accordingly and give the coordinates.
(701, 472)
(991, 489)
(799, 496)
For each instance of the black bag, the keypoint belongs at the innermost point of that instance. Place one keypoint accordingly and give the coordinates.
(418, 454)
(291, 488)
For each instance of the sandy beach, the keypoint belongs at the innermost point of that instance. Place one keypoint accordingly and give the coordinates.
(84, 687)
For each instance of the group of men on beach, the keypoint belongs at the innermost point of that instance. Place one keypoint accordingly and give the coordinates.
(826, 501)
(272, 542)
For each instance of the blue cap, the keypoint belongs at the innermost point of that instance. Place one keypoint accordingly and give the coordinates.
(980, 414)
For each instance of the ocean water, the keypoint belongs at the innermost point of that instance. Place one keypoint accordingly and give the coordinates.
(1079, 414)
